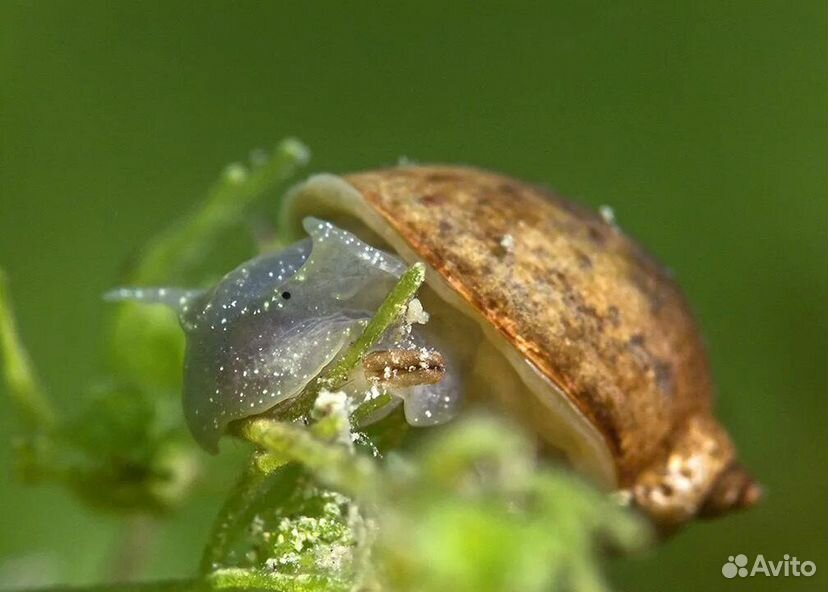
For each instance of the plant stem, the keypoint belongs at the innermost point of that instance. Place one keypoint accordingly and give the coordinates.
(235, 511)
(248, 579)
(34, 407)
(367, 409)
(334, 464)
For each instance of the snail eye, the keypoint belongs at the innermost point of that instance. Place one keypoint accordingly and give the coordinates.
(286, 295)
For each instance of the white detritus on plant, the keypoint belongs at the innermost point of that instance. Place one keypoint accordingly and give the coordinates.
(608, 214)
(425, 356)
(372, 393)
(331, 403)
(415, 313)
(325, 543)
(336, 405)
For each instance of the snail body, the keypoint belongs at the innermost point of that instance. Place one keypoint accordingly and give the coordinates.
(268, 328)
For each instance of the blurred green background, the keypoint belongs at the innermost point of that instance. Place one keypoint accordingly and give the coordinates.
(702, 123)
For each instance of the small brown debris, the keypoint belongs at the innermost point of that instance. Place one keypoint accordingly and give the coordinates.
(404, 367)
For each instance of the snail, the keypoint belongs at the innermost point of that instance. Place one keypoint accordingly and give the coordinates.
(558, 319)
(539, 308)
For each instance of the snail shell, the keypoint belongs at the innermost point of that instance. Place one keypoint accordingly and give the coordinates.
(561, 320)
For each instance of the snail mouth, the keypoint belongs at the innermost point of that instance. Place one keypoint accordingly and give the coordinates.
(734, 489)
(493, 372)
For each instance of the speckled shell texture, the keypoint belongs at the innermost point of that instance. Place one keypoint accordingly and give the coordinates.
(583, 302)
